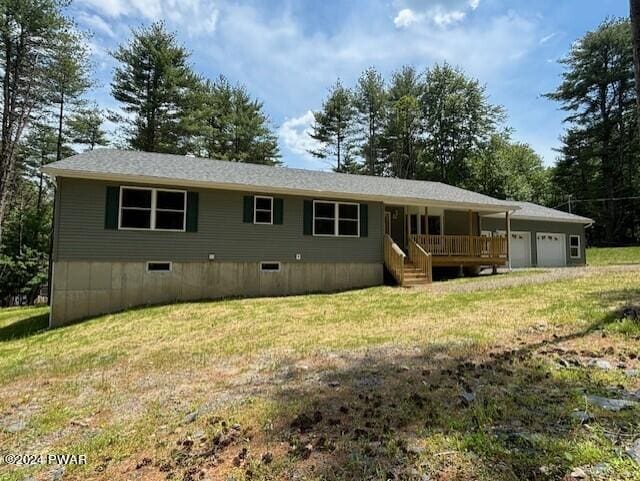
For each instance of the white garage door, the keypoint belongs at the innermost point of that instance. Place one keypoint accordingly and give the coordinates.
(520, 248)
(550, 248)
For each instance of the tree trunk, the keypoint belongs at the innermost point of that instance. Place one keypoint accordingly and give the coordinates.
(635, 27)
(60, 120)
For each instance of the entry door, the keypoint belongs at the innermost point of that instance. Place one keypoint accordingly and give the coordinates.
(396, 224)
(551, 249)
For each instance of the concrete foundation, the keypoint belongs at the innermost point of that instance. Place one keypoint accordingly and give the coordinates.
(84, 289)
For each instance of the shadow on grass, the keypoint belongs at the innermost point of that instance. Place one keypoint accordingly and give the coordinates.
(445, 413)
(25, 327)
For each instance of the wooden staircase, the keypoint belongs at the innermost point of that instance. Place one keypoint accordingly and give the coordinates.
(413, 275)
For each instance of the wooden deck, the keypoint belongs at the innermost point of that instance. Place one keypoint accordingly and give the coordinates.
(428, 251)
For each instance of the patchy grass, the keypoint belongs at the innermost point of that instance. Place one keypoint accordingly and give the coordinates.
(359, 385)
(601, 256)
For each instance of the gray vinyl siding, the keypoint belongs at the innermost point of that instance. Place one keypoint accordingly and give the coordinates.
(80, 232)
(535, 226)
(456, 222)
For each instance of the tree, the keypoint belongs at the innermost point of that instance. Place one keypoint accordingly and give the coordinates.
(40, 148)
(69, 77)
(85, 127)
(509, 170)
(227, 124)
(601, 145)
(370, 100)
(29, 30)
(634, 14)
(402, 138)
(458, 120)
(153, 81)
(333, 126)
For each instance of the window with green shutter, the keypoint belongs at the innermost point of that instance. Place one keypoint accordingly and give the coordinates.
(111, 208)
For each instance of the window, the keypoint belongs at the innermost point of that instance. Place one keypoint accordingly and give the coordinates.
(336, 219)
(574, 246)
(270, 266)
(158, 266)
(435, 225)
(153, 209)
(262, 210)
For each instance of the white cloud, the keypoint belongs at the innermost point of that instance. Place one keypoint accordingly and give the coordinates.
(474, 4)
(96, 23)
(194, 16)
(405, 17)
(294, 134)
(443, 18)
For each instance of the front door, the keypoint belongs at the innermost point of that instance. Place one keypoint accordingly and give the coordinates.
(394, 222)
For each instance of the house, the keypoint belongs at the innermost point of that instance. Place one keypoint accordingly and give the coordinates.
(134, 228)
(541, 236)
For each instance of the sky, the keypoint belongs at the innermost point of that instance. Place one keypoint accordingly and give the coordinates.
(288, 53)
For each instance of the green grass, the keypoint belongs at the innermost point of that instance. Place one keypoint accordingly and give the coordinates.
(601, 256)
(384, 367)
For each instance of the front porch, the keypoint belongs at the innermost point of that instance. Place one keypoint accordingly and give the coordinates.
(417, 239)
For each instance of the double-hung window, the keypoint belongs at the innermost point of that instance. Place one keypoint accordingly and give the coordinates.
(336, 219)
(574, 246)
(262, 210)
(152, 209)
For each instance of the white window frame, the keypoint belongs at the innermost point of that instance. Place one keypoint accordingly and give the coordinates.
(159, 262)
(441, 217)
(154, 197)
(336, 219)
(579, 246)
(270, 271)
(255, 209)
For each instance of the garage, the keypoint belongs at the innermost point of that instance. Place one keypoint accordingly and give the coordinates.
(520, 248)
(551, 249)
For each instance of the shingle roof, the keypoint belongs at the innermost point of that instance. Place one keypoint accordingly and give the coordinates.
(529, 210)
(184, 170)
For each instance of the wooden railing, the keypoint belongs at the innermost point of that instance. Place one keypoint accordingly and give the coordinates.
(462, 245)
(420, 259)
(394, 259)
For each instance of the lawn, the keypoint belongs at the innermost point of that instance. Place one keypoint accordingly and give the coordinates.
(600, 256)
(383, 383)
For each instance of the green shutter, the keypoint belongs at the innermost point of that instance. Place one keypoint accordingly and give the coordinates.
(364, 220)
(247, 214)
(308, 217)
(278, 205)
(192, 212)
(112, 205)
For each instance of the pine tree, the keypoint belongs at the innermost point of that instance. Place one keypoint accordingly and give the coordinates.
(28, 32)
(334, 127)
(69, 77)
(153, 82)
(229, 125)
(85, 127)
(370, 99)
(598, 93)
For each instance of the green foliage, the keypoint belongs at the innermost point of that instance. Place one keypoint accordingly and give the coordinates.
(370, 101)
(600, 155)
(227, 124)
(85, 127)
(152, 81)
(506, 169)
(334, 128)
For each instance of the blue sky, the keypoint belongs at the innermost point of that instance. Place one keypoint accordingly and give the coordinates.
(288, 52)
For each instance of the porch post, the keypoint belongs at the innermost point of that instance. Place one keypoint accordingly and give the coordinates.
(508, 229)
(426, 220)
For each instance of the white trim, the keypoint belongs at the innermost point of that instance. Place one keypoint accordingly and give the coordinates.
(255, 209)
(336, 219)
(262, 269)
(579, 256)
(390, 200)
(579, 220)
(159, 271)
(153, 209)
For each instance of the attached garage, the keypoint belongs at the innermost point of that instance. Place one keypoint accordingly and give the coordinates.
(541, 236)
(551, 249)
